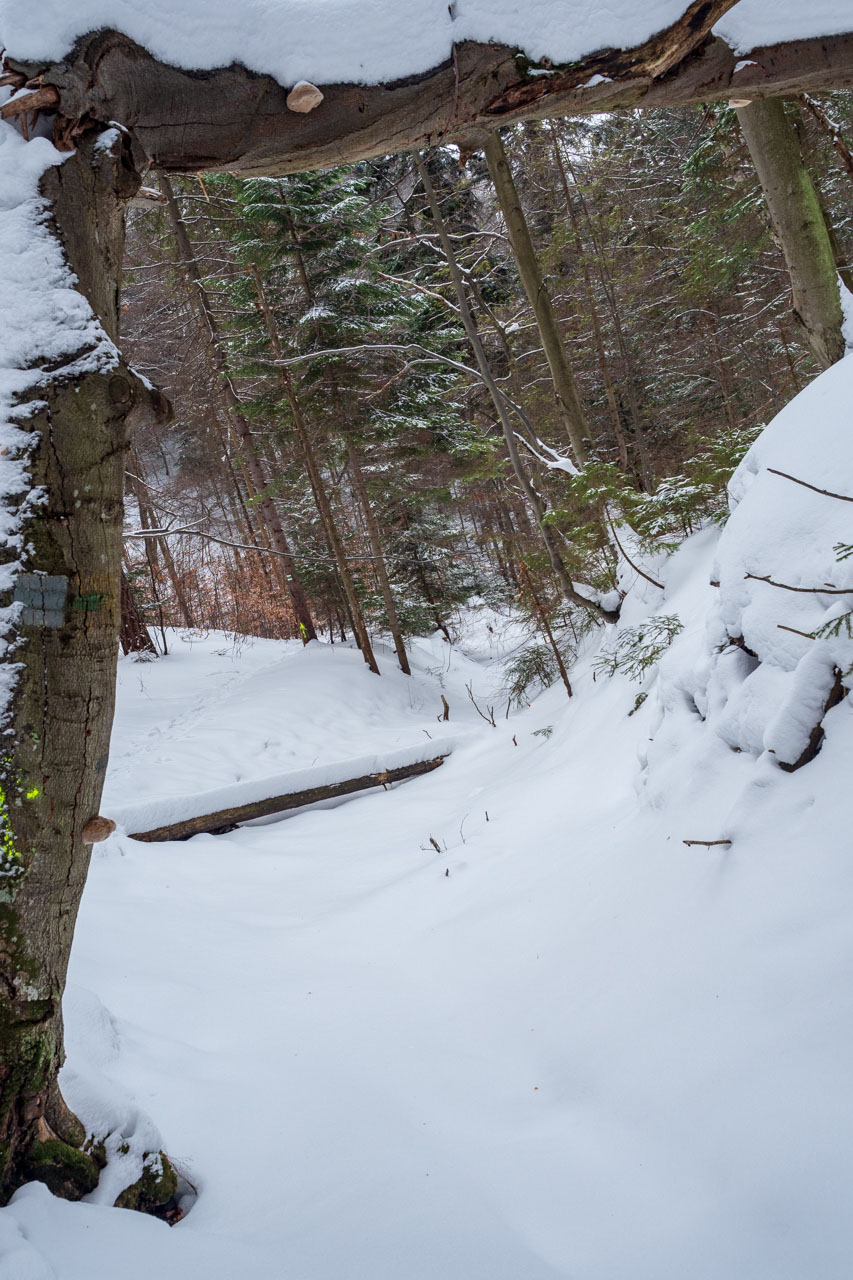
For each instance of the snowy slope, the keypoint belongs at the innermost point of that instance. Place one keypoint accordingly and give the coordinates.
(375, 40)
(566, 1045)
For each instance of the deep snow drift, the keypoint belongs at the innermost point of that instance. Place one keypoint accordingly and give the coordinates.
(566, 1045)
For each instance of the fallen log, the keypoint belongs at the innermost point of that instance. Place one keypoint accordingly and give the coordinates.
(223, 820)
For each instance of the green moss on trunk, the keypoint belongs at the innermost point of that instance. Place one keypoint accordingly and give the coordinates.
(154, 1190)
(65, 1170)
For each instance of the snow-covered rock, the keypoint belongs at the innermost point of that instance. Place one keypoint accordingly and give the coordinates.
(781, 581)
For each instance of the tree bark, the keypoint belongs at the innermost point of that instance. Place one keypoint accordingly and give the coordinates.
(53, 769)
(330, 525)
(629, 380)
(591, 305)
(135, 484)
(800, 225)
(133, 633)
(318, 488)
(223, 820)
(63, 698)
(542, 615)
(565, 387)
(376, 547)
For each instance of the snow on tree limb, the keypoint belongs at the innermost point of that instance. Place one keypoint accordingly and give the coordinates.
(230, 117)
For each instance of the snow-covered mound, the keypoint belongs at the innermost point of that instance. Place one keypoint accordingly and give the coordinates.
(779, 639)
(371, 41)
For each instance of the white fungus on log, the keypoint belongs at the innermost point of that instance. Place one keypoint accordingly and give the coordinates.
(304, 97)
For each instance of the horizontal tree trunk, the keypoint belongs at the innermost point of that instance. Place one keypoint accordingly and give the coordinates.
(227, 819)
(231, 118)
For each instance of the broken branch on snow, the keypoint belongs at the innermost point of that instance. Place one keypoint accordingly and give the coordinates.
(223, 820)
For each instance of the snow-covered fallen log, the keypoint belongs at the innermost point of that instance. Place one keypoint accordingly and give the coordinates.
(212, 812)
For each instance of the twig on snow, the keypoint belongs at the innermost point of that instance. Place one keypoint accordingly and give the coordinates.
(490, 718)
(707, 843)
(809, 591)
(827, 493)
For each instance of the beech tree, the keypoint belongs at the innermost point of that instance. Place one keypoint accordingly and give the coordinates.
(67, 626)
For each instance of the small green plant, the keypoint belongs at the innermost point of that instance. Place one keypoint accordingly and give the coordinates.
(680, 503)
(638, 649)
(842, 626)
(836, 628)
(638, 702)
(533, 666)
(545, 732)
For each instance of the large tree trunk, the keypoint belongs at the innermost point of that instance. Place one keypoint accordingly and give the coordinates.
(232, 118)
(565, 386)
(800, 225)
(62, 705)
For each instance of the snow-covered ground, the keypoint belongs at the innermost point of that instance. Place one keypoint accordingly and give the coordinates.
(566, 1044)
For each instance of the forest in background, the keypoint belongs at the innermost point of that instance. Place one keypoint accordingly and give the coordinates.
(367, 430)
